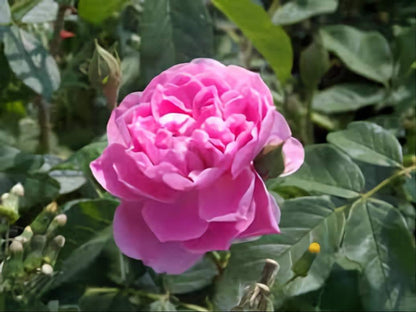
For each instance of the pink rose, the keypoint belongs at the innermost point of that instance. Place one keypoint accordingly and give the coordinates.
(180, 158)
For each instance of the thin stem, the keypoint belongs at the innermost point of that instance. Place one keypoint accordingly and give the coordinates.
(59, 26)
(388, 181)
(44, 123)
(308, 117)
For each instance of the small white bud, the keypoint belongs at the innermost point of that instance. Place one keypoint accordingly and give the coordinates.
(18, 190)
(47, 269)
(5, 196)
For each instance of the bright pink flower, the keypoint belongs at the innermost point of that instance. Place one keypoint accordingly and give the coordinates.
(180, 158)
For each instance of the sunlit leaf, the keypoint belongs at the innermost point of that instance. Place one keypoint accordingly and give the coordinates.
(369, 143)
(170, 36)
(97, 11)
(31, 63)
(346, 97)
(270, 40)
(366, 53)
(327, 171)
(295, 10)
(5, 16)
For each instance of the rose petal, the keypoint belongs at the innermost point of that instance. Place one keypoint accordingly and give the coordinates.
(114, 133)
(118, 173)
(137, 241)
(175, 221)
(227, 199)
(267, 213)
(293, 155)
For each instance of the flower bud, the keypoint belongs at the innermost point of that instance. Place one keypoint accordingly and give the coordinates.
(16, 248)
(270, 163)
(9, 207)
(47, 269)
(58, 221)
(52, 250)
(18, 190)
(42, 221)
(26, 235)
(13, 266)
(104, 73)
(302, 266)
(34, 257)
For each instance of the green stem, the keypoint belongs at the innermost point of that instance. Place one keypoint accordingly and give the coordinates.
(388, 181)
(308, 117)
(44, 124)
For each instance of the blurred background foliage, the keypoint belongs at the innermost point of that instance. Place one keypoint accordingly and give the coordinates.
(340, 71)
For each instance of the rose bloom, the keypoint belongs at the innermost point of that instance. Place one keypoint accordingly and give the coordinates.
(180, 158)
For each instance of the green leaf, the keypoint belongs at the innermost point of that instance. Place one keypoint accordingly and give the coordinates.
(42, 12)
(167, 24)
(31, 63)
(327, 171)
(85, 218)
(97, 11)
(270, 40)
(297, 10)
(365, 53)
(369, 143)
(404, 50)
(21, 7)
(161, 305)
(12, 160)
(304, 220)
(5, 17)
(104, 299)
(314, 62)
(197, 277)
(69, 180)
(82, 257)
(82, 158)
(347, 97)
(377, 238)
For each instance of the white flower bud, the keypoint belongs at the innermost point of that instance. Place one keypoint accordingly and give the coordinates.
(18, 190)
(47, 269)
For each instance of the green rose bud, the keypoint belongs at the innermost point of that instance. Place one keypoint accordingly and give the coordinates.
(104, 73)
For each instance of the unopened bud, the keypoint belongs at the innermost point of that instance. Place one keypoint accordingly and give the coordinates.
(26, 235)
(18, 190)
(13, 266)
(60, 241)
(302, 266)
(270, 163)
(52, 207)
(16, 247)
(104, 73)
(4, 196)
(314, 247)
(58, 221)
(42, 221)
(34, 258)
(47, 269)
(9, 207)
(53, 248)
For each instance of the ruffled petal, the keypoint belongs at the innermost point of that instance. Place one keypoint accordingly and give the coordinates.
(176, 221)
(119, 174)
(267, 213)
(227, 199)
(293, 155)
(115, 134)
(136, 240)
